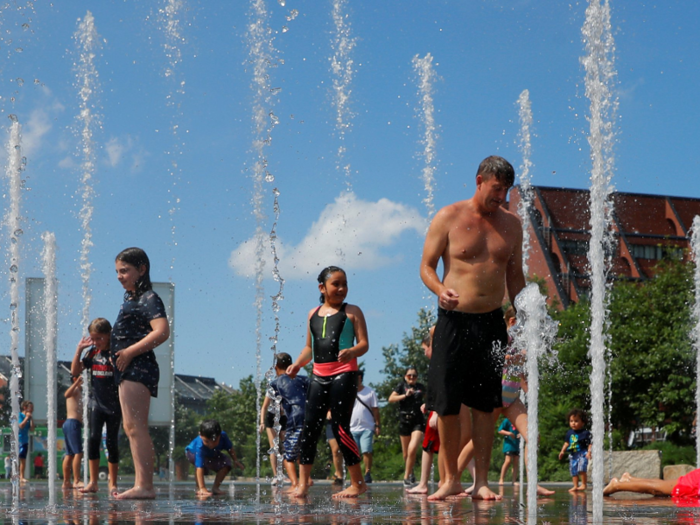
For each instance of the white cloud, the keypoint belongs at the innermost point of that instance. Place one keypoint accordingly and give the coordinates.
(38, 125)
(349, 232)
(115, 150)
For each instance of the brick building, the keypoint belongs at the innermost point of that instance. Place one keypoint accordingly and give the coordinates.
(646, 227)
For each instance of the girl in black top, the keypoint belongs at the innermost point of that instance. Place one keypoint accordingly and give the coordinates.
(140, 327)
(409, 394)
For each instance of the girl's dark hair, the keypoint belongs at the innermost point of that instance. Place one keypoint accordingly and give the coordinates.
(577, 412)
(137, 257)
(326, 274)
(100, 326)
(409, 368)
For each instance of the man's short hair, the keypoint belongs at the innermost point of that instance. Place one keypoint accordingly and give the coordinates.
(495, 166)
(210, 429)
(283, 361)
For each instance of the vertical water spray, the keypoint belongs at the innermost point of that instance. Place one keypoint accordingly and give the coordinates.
(87, 81)
(599, 80)
(695, 330)
(534, 332)
(426, 78)
(169, 17)
(342, 68)
(48, 257)
(262, 57)
(525, 204)
(15, 165)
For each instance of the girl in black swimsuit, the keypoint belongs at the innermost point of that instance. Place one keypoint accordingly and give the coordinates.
(335, 338)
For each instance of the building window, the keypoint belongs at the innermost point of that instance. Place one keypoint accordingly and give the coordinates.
(574, 247)
(656, 251)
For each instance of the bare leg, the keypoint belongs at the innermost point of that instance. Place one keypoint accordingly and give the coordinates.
(367, 460)
(504, 469)
(405, 440)
(656, 487)
(416, 439)
(220, 475)
(113, 470)
(22, 469)
(304, 477)
(337, 458)
(357, 484)
(67, 467)
(575, 482)
(77, 461)
(584, 481)
(135, 400)
(482, 434)
(425, 466)
(450, 439)
(94, 471)
(273, 456)
(291, 469)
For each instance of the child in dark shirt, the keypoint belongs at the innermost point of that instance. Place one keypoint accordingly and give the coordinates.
(205, 453)
(578, 443)
(104, 400)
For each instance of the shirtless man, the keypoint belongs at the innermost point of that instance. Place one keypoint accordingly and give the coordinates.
(480, 244)
(72, 434)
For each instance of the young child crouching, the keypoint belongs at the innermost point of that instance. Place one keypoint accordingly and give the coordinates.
(205, 453)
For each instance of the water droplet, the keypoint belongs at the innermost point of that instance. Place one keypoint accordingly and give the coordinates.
(292, 15)
(20, 82)
(285, 29)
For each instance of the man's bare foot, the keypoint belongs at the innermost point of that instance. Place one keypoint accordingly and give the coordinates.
(91, 487)
(447, 489)
(301, 491)
(352, 491)
(136, 493)
(625, 477)
(573, 489)
(418, 489)
(485, 493)
(541, 491)
(612, 487)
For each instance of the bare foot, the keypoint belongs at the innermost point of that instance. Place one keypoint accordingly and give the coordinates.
(66, 485)
(301, 491)
(112, 489)
(581, 488)
(447, 489)
(469, 491)
(90, 487)
(573, 489)
(418, 489)
(78, 485)
(500, 482)
(22, 480)
(626, 477)
(136, 493)
(217, 492)
(291, 489)
(541, 491)
(612, 487)
(352, 491)
(485, 493)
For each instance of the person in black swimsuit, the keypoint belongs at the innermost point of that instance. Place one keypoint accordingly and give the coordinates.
(140, 327)
(330, 341)
(409, 394)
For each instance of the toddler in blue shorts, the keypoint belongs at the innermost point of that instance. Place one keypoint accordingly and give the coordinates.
(578, 443)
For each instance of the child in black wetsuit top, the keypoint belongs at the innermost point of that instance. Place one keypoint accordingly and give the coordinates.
(330, 341)
(140, 327)
(104, 400)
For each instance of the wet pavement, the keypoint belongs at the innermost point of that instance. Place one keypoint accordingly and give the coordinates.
(383, 503)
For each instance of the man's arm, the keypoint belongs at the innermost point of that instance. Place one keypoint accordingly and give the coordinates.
(377, 421)
(433, 249)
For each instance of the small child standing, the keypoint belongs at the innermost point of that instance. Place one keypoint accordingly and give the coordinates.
(293, 391)
(205, 453)
(72, 434)
(511, 449)
(26, 424)
(578, 443)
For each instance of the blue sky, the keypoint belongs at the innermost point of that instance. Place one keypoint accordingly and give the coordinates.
(485, 54)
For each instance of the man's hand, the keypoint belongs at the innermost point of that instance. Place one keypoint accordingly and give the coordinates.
(448, 299)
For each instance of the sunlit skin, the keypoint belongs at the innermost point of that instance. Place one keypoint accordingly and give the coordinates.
(134, 397)
(480, 246)
(334, 291)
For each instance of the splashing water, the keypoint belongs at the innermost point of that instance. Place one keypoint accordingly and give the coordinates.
(342, 68)
(169, 19)
(426, 77)
(695, 330)
(87, 82)
(525, 204)
(15, 165)
(599, 80)
(50, 312)
(534, 332)
(262, 56)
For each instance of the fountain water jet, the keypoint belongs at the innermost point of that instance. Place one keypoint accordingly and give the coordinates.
(426, 77)
(695, 330)
(534, 332)
(599, 81)
(15, 165)
(50, 313)
(88, 42)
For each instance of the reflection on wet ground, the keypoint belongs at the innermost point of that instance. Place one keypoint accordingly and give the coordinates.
(384, 503)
